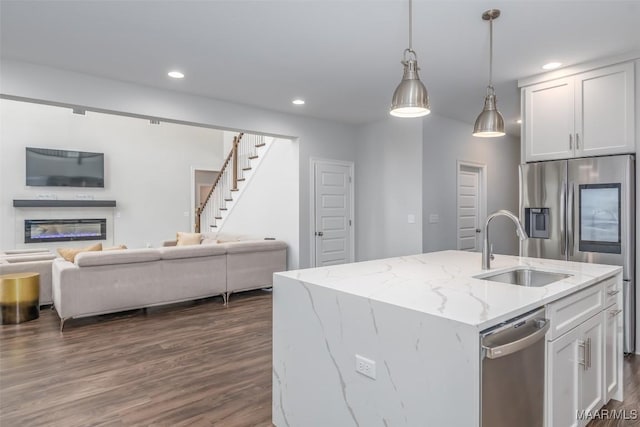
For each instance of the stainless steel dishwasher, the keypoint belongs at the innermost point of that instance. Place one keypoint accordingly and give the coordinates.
(512, 372)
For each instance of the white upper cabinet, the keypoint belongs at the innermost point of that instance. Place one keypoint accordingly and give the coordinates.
(587, 114)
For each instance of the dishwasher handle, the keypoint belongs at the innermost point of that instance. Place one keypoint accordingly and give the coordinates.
(539, 327)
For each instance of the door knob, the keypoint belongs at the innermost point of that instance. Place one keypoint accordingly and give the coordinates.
(319, 233)
(478, 230)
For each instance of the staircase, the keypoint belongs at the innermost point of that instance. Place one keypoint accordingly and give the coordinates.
(244, 157)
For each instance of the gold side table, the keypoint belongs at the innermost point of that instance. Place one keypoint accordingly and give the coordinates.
(19, 295)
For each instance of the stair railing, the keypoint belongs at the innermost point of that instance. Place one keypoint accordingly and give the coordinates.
(237, 163)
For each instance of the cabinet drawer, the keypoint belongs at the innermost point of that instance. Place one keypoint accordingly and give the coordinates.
(611, 290)
(569, 312)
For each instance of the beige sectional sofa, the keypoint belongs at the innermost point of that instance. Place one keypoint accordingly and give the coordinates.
(112, 281)
(30, 261)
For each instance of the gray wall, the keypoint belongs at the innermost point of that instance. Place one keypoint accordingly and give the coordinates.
(446, 141)
(317, 138)
(388, 188)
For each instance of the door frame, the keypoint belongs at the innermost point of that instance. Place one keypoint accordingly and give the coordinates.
(482, 195)
(313, 162)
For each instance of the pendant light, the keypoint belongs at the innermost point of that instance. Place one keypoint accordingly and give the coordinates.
(410, 98)
(490, 123)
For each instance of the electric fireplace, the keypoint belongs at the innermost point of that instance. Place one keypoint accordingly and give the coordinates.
(64, 230)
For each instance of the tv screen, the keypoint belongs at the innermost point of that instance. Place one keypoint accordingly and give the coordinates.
(63, 168)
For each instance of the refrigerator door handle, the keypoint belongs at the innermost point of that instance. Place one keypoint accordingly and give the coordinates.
(570, 221)
(563, 230)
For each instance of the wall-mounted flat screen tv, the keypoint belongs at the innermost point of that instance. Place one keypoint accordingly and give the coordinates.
(62, 168)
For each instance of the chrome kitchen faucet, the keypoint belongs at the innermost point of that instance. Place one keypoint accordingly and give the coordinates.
(487, 251)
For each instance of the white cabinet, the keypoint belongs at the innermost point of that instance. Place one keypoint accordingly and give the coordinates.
(575, 374)
(584, 353)
(588, 114)
(611, 317)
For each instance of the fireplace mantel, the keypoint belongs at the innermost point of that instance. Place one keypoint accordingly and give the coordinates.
(44, 203)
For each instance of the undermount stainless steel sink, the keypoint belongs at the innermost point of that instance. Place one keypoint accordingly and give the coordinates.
(525, 277)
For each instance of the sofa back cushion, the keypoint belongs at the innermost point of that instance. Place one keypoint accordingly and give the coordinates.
(128, 256)
(195, 251)
(44, 256)
(253, 246)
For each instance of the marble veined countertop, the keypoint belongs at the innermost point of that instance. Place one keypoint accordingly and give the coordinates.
(442, 284)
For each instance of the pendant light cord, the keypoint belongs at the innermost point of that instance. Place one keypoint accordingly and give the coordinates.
(410, 26)
(491, 53)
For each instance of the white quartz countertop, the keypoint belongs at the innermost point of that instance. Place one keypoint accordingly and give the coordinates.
(442, 284)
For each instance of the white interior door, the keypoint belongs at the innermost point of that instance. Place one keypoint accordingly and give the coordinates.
(333, 234)
(470, 206)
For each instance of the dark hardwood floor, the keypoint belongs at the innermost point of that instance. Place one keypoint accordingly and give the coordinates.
(188, 364)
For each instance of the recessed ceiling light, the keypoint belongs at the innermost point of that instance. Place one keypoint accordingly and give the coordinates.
(175, 74)
(298, 101)
(551, 65)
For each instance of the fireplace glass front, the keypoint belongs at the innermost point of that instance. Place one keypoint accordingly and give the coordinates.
(64, 230)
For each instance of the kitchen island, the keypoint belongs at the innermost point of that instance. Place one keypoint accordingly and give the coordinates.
(411, 326)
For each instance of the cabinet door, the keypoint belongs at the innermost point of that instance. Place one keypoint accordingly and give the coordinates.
(548, 120)
(592, 384)
(563, 382)
(605, 111)
(611, 318)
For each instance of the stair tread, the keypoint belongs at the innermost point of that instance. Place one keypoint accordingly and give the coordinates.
(223, 209)
(253, 157)
(240, 179)
(233, 189)
(246, 169)
(218, 217)
(261, 145)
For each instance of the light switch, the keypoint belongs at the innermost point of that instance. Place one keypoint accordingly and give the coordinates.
(411, 219)
(434, 218)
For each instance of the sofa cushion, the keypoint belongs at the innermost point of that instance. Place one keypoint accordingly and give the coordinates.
(186, 239)
(194, 251)
(129, 256)
(70, 253)
(39, 256)
(24, 251)
(115, 248)
(254, 246)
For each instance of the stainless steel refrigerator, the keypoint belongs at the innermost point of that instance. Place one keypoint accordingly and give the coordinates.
(583, 210)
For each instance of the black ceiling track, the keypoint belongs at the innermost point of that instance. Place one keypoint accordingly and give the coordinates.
(42, 203)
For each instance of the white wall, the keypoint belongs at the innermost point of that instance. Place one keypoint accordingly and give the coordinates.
(446, 141)
(147, 170)
(388, 189)
(317, 138)
(268, 206)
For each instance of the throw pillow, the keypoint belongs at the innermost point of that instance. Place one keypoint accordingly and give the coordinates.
(186, 239)
(70, 253)
(115, 248)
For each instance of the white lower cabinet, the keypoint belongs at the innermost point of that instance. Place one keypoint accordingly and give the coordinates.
(584, 355)
(612, 319)
(575, 374)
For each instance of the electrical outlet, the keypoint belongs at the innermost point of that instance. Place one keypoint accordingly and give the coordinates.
(434, 218)
(366, 367)
(185, 213)
(411, 219)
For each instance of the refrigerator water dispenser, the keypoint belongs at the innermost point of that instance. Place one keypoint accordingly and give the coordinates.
(536, 223)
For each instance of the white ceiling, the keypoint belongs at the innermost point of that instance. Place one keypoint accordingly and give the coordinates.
(342, 56)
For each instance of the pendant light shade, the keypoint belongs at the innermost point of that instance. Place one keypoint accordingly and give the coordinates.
(410, 98)
(489, 123)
